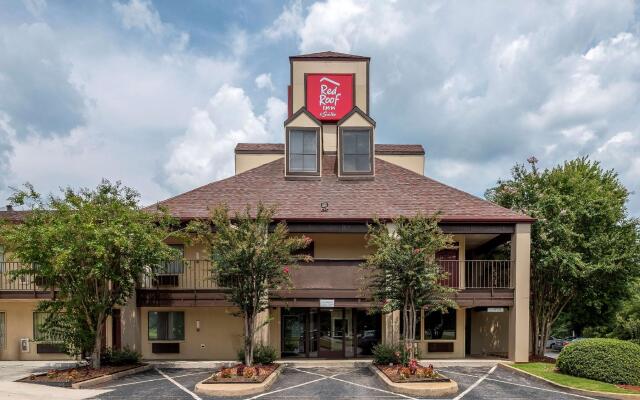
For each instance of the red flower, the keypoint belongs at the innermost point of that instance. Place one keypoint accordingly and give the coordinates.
(285, 270)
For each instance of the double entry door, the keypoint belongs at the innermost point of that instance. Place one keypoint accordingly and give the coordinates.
(328, 332)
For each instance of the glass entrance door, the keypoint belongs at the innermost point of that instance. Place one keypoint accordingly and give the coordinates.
(331, 333)
(294, 343)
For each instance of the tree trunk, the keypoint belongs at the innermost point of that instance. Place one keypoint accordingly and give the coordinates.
(97, 346)
(248, 338)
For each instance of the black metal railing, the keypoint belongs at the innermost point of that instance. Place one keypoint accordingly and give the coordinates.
(9, 281)
(477, 274)
(179, 275)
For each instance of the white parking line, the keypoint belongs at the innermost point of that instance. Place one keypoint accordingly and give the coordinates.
(333, 377)
(291, 387)
(184, 389)
(476, 383)
(522, 385)
(155, 379)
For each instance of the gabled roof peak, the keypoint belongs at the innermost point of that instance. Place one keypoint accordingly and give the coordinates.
(328, 55)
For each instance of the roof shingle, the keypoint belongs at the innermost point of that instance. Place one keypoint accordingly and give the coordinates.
(395, 191)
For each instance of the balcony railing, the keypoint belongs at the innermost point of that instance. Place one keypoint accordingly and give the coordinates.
(181, 275)
(478, 274)
(10, 282)
(196, 275)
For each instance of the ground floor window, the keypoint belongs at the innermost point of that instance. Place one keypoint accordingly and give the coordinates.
(439, 325)
(166, 325)
(39, 333)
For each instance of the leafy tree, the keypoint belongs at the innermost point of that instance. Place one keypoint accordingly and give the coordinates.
(250, 259)
(403, 274)
(583, 242)
(90, 246)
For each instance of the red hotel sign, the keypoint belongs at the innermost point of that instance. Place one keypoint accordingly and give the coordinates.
(329, 96)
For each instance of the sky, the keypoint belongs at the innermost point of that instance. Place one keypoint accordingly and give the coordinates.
(157, 93)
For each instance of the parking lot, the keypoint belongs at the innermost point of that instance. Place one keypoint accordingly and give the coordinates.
(335, 383)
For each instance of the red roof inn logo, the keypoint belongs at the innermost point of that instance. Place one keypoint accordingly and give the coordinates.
(330, 96)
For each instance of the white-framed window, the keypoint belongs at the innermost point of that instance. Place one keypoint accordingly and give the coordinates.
(356, 149)
(303, 150)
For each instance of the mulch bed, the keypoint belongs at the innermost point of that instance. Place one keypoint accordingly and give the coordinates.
(242, 374)
(416, 374)
(544, 359)
(630, 387)
(67, 377)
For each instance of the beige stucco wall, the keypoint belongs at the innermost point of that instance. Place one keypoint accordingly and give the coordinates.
(245, 162)
(19, 324)
(344, 246)
(411, 162)
(299, 68)
(329, 137)
(520, 274)
(274, 328)
(489, 333)
(220, 333)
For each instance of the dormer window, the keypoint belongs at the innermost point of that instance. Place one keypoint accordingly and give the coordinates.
(303, 155)
(356, 151)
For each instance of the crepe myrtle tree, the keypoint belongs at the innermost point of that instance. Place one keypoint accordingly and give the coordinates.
(403, 274)
(90, 246)
(584, 246)
(250, 257)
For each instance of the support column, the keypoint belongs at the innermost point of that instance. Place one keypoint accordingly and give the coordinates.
(130, 317)
(391, 334)
(520, 277)
(262, 322)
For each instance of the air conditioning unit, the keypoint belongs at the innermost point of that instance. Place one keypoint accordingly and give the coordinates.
(24, 345)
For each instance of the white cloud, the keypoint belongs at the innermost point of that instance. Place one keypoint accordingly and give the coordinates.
(263, 81)
(139, 14)
(35, 7)
(288, 22)
(206, 150)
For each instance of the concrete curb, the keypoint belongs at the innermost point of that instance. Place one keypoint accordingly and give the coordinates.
(108, 378)
(429, 389)
(608, 395)
(237, 389)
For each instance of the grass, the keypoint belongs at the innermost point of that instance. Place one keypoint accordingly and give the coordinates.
(546, 371)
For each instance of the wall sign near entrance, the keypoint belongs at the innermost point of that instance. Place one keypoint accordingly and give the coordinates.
(327, 303)
(329, 97)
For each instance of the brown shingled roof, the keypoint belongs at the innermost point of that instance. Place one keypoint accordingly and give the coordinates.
(394, 191)
(278, 148)
(328, 55)
(13, 216)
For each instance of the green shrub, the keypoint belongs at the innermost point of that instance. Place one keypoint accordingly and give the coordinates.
(385, 354)
(392, 354)
(261, 355)
(125, 356)
(636, 341)
(607, 360)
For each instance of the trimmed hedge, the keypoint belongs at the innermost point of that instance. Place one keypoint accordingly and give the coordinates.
(607, 360)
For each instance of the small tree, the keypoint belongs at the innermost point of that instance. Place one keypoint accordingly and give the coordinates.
(403, 273)
(584, 246)
(250, 259)
(90, 246)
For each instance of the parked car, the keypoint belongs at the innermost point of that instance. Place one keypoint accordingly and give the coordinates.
(550, 341)
(560, 344)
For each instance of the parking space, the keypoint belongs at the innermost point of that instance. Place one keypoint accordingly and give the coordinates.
(335, 383)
